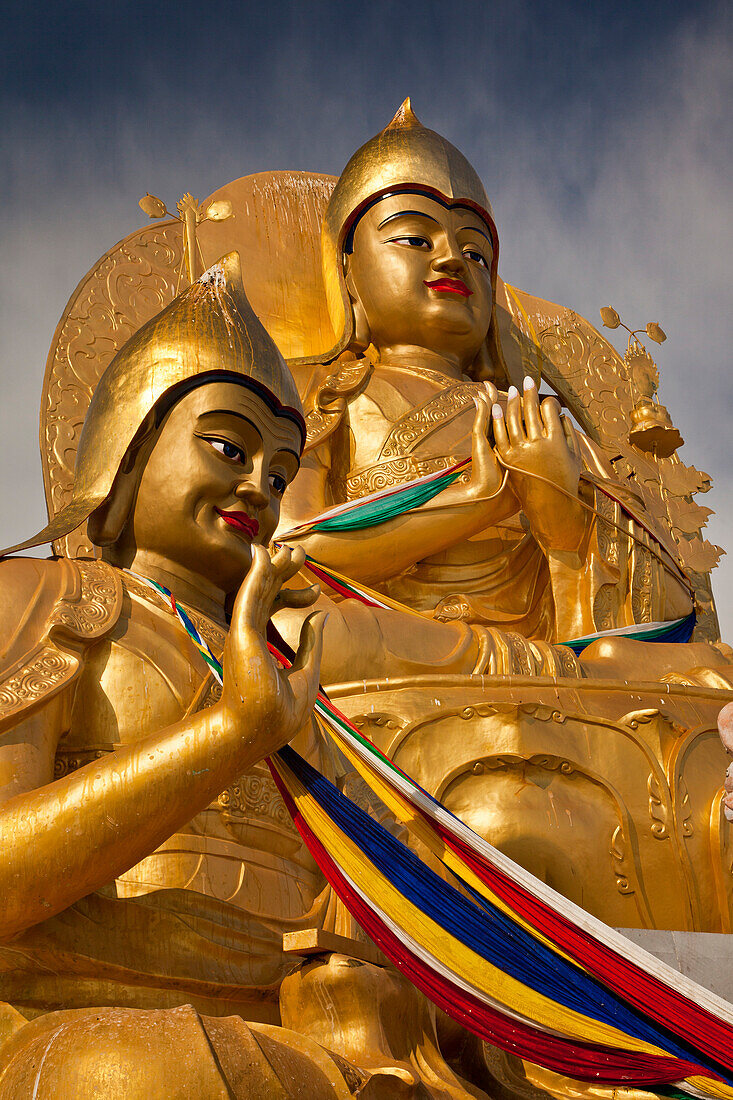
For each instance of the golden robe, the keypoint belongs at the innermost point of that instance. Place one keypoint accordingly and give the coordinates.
(98, 660)
(396, 424)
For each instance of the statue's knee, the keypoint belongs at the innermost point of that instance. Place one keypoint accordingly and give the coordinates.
(608, 649)
(364, 999)
(133, 1054)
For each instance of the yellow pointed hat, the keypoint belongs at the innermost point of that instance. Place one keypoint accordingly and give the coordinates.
(210, 330)
(404, 156)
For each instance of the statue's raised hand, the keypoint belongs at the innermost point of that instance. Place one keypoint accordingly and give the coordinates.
(266, 702)
(540, 449)
(488, 493)
(486, 473)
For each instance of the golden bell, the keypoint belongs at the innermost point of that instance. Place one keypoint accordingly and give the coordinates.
(653, 430)
(208, 331)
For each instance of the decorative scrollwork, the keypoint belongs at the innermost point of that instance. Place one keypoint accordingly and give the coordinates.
(641, 586)
(416, 425)
(383, 475)
(70, 760)
(91, 612)
(617, 852)
(129, 285)
(48, 670)
(658, 809)
(254, 796)
(607, 511)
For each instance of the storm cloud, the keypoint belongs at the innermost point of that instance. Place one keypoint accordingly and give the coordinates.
(602, 133)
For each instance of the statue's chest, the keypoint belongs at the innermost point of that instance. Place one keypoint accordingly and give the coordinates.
(405, 426)
(147, 675)
(142, 678)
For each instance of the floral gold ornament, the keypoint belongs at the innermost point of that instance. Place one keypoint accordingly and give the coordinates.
(610, 317)
(651, 429)
(218, 211)
(190, 215)
(655, 333)
(152, 206)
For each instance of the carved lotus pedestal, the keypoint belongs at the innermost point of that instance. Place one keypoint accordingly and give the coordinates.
(607, 791)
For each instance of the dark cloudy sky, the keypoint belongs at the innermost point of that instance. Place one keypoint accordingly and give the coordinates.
(602, 133)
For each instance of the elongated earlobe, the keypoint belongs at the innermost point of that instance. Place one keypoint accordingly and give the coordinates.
(489, 364)
(482, 368)
(361, 336)
(106, 523)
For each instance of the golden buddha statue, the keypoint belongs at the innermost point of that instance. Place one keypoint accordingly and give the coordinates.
(149, 868)
(601, 773)
(410, 254)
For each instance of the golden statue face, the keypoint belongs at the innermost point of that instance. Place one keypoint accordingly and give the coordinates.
(212, 483)
(421, 273)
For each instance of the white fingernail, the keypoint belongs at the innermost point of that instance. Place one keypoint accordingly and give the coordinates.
(528, 382)
(512, 392)
(497, 412)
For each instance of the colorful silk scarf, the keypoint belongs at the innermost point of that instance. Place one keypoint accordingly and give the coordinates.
(507, 957)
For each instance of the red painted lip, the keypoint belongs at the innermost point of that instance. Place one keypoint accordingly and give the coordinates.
(241, 521)
(454, 286)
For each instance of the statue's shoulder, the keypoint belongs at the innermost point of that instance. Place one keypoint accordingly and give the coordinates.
(326, 391)
(77, 597)
(50, 610)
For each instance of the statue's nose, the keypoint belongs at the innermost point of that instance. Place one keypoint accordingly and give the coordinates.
(450, 258)
(254, 487)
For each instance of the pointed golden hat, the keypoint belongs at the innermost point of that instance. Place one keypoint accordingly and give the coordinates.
(208, 330)
(404, 156)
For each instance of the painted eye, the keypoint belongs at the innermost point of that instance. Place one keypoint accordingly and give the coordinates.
(476, 256)
(278, 484)
(413, 242)
(228, 449)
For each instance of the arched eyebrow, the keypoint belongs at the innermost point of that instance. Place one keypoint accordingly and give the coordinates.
(407, 213)
(475, 229)
(230, 412)
(240, 416)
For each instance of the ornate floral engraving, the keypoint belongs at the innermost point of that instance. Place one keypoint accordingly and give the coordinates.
(603, 605)
(213, 634)
(254, 796)
(607, 533)
(70, 760)
(395, 472)
(129, 285)
(90, 612)
(418, 424)
(47, 671)
(641, 586)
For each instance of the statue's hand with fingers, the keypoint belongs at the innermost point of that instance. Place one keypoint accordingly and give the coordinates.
(259, 697)
(539, 447)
